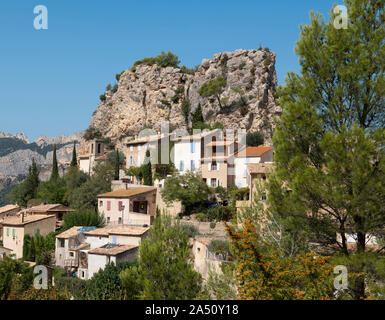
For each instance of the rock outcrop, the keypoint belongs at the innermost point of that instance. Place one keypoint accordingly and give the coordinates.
(147, 95)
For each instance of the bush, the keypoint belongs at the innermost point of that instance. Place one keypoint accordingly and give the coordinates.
(163, 60)
(189, 230)
(212, 224)
(254, 139)
(102, 97)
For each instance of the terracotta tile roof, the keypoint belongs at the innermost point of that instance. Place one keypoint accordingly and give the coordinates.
(17, 221)
(258, 167)
(8, 208)
(101, 232)
(112, 250)
(128, 230)
(197, 136)
(69, 233)
(253, 151)
(49, 208)
(127, 192)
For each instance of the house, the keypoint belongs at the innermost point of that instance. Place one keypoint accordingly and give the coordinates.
(95, 154)
(65, 241)
(248, 155)
(15, 228)
(190, 149)
(58, 210)
(98, 258)
(218, 163)
(157, 144)
(6, 211)
(131, 206)
(9, 210)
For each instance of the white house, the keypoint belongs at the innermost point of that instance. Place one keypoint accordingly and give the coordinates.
(98, 258)
(261, 154)
(189, 149)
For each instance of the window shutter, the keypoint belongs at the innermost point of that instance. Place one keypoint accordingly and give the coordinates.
(120, 205)
(209, 166)
(209, 181)
(108, 205)
(218, 166)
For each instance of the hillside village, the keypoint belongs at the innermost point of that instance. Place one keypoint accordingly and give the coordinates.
(212, 182)
(130, 208)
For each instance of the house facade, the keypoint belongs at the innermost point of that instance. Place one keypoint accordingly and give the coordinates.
(15, 228)
(249, 155)
(131, 206)
(58, 210)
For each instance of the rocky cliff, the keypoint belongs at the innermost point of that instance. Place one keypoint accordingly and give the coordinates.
(147, 95)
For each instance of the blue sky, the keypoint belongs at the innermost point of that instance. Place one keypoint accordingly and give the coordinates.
(50, 80)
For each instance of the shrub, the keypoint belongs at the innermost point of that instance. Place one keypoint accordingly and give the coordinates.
(189, 230)
(163, 60)
(102, 97)
(242, 65)
(254, 139)
(115, 88)
(108, 87)
(212, 224)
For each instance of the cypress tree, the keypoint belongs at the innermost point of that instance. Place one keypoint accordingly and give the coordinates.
(55, 170)
(74, 162)
(117, 165)
(147, 170)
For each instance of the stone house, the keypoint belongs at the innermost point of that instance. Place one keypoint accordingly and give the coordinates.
(88, 160)
(58, 210)
(131, 206)
(6, 211)
(15, 228)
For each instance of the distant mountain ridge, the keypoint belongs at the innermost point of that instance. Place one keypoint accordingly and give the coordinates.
(17, 152)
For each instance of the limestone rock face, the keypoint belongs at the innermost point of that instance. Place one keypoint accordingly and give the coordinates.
(146, 97)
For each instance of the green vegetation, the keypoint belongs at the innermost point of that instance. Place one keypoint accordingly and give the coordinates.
(147, 170)
(26, 190)
(213, 87)
(74, 161)
(163, 60)
(84, 218)
(165, 271)
(39, 249)
(188, 188)
(55, 169)
(254, 139)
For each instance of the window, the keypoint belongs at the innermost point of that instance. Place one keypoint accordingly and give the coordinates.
(131, 148)
(120, 220)
(100, 203)
(114, 239)
(192, 165)
(181, 166)
(7, 232)
(108, 205)
(131, 161)
(71, 254)
(61, 243)
(139, 147)
(99, 148)
(214, 166)
(138, 161)
(192, 146)
(214, 182)
(244, 173)
(13, 233)
(36, 232)
(82, 274)
(108, 219)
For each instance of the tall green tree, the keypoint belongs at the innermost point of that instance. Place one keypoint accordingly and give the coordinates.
(55, 169)
(116, 165)
(26, 190)
(74, 161)
(147, 170)
(330, 140)
(164, 264)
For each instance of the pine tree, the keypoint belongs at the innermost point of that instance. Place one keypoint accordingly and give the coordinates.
(147, 170)
(55, 170)
(329, 142)
(74, 162)
(164, 265)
